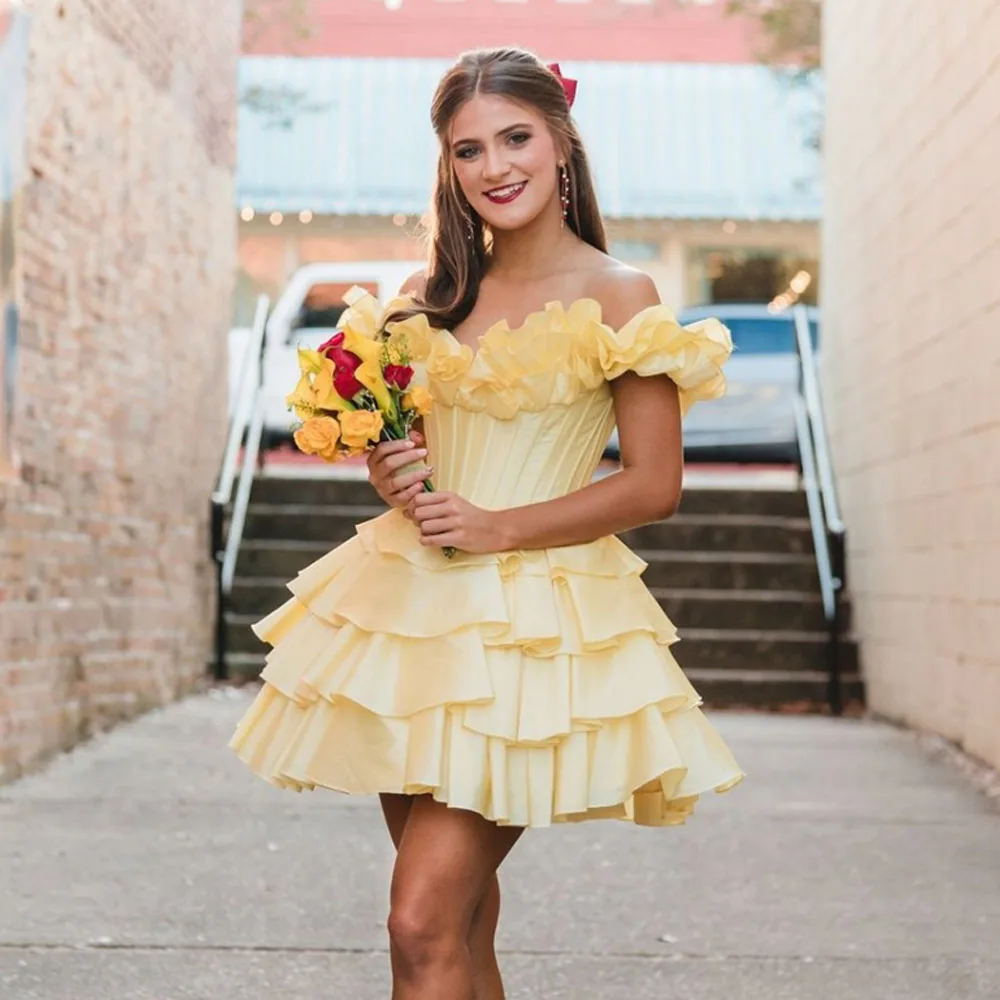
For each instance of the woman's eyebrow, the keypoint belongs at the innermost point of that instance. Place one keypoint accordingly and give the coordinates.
(504, 131)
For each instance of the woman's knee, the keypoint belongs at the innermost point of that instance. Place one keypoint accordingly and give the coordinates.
(422, 929)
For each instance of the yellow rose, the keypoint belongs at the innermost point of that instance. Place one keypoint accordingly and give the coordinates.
(319, 436)
(359, 427)
(419, 399)
(443, 366)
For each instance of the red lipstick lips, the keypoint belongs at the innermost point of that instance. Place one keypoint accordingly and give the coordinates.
(505, 195)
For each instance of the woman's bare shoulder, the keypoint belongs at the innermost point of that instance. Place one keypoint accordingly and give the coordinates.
(622, 291)
(415, 284)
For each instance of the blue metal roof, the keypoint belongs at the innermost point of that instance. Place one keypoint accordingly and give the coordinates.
(680, 140)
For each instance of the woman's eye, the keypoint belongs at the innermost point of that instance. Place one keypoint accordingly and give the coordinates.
(519, 138)
(466, 152)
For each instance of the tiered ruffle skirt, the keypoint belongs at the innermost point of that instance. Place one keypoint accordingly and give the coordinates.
(531, 687)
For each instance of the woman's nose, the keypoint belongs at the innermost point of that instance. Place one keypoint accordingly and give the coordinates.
(495, 165)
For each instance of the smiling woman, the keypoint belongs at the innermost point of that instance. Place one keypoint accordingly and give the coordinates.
(527, 679)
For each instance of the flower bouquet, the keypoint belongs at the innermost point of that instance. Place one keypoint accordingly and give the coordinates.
(354, 391)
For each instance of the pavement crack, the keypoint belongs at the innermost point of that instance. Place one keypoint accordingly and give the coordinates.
(608, 956)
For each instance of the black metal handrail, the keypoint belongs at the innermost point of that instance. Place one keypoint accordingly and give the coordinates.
(239, 462)
(828, 531)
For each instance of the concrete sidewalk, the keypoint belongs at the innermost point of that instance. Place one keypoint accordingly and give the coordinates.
(150, 865)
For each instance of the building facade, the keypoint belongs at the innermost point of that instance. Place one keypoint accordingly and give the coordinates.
(912, 357)
(125, 252)
(705, 162)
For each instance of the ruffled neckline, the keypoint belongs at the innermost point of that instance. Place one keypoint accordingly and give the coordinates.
(552, 356)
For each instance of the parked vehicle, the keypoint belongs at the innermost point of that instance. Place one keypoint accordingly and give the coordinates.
(305, 315)
(754, 421)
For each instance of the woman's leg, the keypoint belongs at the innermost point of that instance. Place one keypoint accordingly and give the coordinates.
(482, 933)
(444, 865)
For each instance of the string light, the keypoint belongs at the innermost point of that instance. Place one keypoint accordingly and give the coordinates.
(796, 287)
(276, 218)
(247, 213)
(305, 216)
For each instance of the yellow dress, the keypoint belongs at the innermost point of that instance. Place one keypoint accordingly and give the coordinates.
(531, 686)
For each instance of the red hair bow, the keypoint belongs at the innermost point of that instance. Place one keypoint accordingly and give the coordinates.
(568, 85)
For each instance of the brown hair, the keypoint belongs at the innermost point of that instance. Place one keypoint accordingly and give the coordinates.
(456, 265)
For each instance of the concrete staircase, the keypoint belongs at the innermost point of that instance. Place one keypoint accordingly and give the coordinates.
(734, 570)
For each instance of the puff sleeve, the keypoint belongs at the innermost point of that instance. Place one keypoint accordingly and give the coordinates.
(654, 343)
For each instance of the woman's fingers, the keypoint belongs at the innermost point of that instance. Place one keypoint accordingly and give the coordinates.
(384, 463)
(388, 447)
(393, 454)
(437, 504)
(404, 499)
(439, 525)
(404, 481)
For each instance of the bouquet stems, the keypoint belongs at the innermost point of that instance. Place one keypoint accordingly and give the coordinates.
(391, 432)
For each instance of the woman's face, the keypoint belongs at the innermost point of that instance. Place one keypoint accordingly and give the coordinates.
(505, 160)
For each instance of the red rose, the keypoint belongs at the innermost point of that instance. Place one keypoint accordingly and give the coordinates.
(345, 383)
(398, 375)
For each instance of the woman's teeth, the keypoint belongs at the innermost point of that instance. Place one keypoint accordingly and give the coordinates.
(506, 194)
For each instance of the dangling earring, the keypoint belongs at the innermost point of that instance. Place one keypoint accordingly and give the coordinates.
(564, 191)
(470, 229)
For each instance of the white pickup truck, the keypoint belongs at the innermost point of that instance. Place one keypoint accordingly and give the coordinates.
(305, 315)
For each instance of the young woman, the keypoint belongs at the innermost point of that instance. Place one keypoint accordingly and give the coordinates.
(526, 679)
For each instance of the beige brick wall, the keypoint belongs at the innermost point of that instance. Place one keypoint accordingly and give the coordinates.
(127, 253)
(912, 357)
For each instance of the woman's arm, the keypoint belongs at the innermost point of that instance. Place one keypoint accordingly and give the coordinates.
(648, 487)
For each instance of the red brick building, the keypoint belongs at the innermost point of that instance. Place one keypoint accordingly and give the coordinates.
(610, 30)
(125, 249)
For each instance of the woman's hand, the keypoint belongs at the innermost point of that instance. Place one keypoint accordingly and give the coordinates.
(391, 470)
(446, 519)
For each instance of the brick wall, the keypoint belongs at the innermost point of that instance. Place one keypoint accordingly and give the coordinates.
(912, 362)
(127, 252)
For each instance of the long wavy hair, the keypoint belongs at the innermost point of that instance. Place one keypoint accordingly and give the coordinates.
(455, 264)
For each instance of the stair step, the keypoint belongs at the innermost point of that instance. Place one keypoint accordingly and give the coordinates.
(277, 557)
(730, 570)
(756, 649)
(742, 609)
(723, 533)
(701, 500)
(692, 532)
(774, 690)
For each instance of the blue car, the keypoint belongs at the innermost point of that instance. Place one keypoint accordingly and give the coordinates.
(754, 421)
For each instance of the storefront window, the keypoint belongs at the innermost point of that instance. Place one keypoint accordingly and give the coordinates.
(737, 274)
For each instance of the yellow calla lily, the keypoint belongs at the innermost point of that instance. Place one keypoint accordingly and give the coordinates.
(364, 347)
(302, 399)
(317, 392)
(369, 374)
(310, 362)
